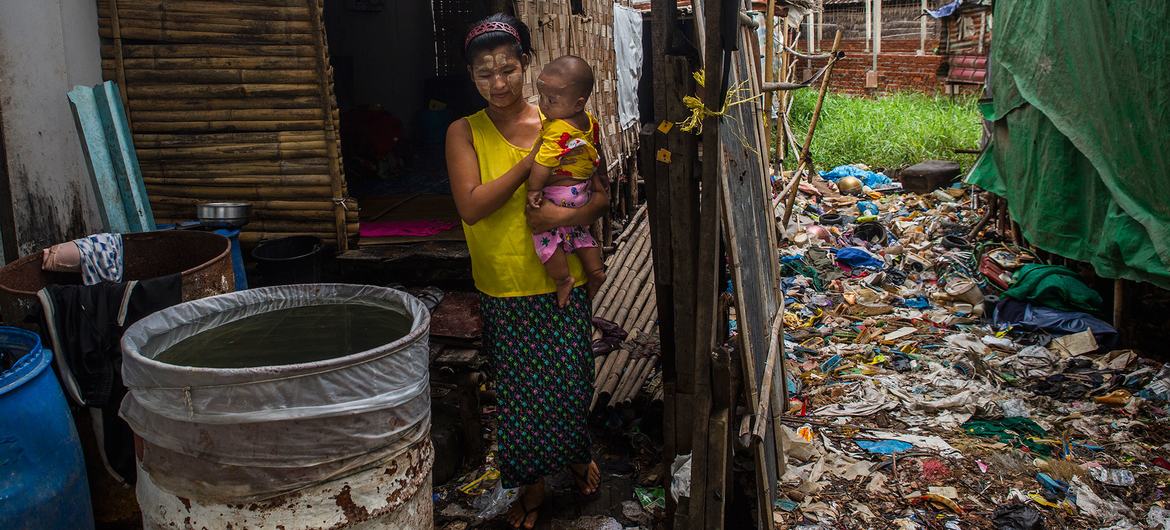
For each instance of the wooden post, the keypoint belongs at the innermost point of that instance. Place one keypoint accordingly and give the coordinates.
(708, 493)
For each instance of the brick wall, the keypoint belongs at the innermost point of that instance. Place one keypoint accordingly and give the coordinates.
(900, 68)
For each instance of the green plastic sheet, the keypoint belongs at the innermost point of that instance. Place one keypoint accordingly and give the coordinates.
(1053, 286)
(1081, 138)
(1017, 432)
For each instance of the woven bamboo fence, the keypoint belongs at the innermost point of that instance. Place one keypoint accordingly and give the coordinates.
(232, 100)
(556, 31)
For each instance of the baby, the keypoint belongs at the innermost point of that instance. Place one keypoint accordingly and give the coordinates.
(565, 163)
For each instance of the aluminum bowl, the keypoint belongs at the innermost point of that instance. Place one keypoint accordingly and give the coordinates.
(224, 214)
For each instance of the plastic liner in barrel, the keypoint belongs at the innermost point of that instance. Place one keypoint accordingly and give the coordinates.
(289, 260)
(277, 428)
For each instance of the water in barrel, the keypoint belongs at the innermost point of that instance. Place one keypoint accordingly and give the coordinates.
(290, 336)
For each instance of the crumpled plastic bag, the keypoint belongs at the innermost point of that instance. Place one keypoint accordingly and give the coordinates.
(869, 178)
(680, 477)
(1018, 517)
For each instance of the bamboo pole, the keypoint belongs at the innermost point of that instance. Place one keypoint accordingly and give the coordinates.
(805, 161)
(243, 151)
(299, 180)
(635, 292)
(331, 139)
(188, 211)
(147, 140)
(198, 34)
(623, 268)
(202, 50)
(634, 377)
(242, 192)
(272, 9)
(262, 204)
(120, 73)
(201, 104)
(232, 90)
(179, 19)
(225, 126)
(212, 63)
(219, 76)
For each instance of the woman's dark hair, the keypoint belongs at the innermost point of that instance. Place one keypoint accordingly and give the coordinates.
(494, 39)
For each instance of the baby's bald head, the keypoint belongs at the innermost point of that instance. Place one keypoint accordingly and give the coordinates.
(574, 72)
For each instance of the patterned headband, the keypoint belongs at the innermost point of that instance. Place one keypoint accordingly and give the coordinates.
(487, 27)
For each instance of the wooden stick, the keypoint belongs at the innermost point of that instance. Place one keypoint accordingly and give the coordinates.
(812, 127)
(762, 407)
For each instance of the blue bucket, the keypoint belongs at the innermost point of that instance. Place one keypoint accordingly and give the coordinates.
(42, 473)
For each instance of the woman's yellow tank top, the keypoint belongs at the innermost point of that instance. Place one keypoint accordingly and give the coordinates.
(503, 259)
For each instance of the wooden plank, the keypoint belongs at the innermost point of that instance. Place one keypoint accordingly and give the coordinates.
(749, 227)
(708, 484)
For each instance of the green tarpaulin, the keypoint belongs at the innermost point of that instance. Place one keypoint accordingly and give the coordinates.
(1081, 141)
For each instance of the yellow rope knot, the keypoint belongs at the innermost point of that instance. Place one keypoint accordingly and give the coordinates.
(737, 95)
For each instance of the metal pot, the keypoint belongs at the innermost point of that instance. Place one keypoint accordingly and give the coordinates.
(224, 214)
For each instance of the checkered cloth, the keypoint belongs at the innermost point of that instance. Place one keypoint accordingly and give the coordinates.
(101, 258)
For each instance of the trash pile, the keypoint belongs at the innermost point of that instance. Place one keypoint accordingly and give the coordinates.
(941, 377)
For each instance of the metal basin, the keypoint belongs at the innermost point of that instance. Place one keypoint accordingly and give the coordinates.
(224, 214)
(203, 258)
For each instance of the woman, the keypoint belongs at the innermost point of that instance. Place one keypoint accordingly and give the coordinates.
(540, 353)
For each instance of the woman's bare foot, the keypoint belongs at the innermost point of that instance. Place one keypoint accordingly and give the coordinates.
(526, 509)
(587, 476)
(596, 279)
(564, 288)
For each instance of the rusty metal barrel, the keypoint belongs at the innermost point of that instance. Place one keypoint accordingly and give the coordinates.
(204, 260)
(232, 436)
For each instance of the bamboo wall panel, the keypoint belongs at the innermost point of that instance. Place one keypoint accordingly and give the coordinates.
(232, 100)
(556, 31)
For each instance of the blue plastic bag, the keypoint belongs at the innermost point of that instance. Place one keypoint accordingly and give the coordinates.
(869, 178)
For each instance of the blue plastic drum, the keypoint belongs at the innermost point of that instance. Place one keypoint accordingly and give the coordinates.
(42, 473)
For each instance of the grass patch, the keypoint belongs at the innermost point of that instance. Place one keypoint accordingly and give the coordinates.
(893, 131)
